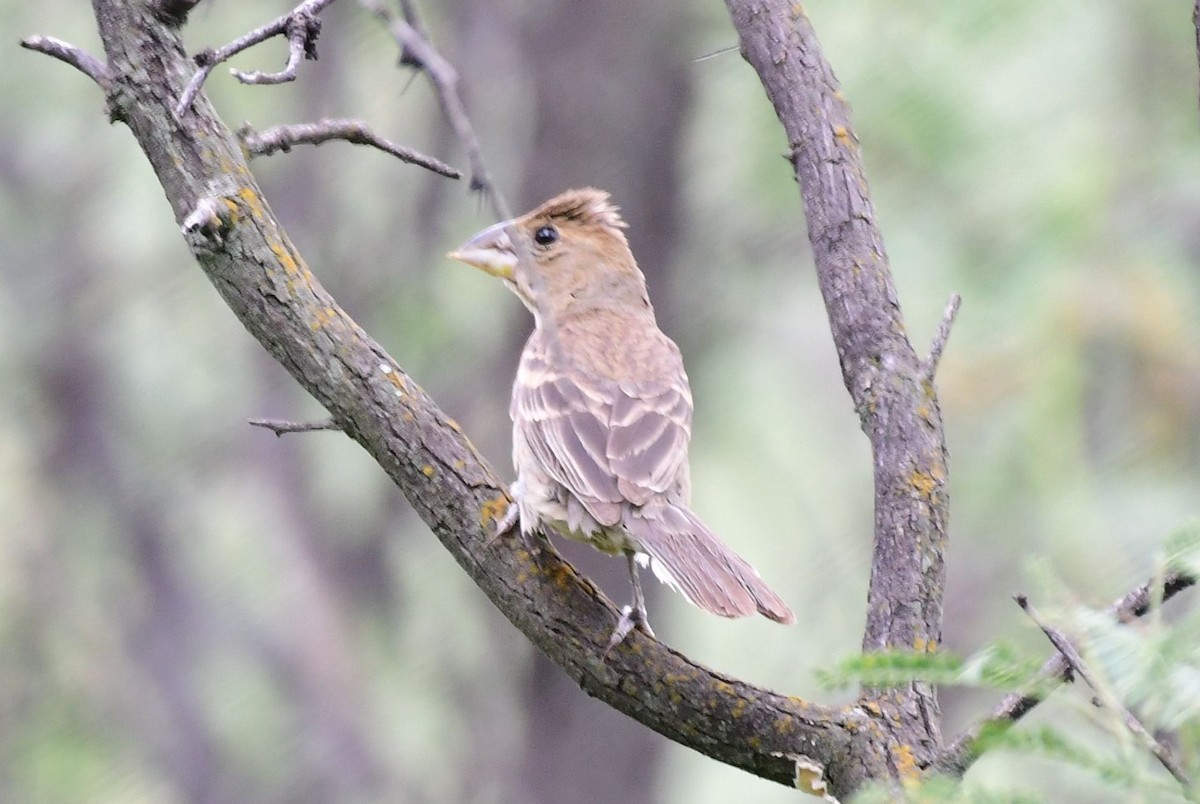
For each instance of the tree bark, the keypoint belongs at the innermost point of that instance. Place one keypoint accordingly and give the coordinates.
(891, 388)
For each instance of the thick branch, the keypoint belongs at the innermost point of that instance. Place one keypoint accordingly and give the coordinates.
(256, 269)
(897, 406)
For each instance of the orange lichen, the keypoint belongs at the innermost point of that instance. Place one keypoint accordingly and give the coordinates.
(322, 318)
(923, 482)
(906, 763)
(493, 511)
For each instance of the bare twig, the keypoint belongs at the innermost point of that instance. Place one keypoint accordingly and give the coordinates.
(81, 60)
(715, 53)
(302, 33)
(282, 138)
(416, 50)
(1077, 666)
(930, 366)
(301, 26)
(1196, 24)
(281, 426)
(963, 751)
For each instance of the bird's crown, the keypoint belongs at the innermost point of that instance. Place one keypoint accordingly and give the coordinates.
(585, 206)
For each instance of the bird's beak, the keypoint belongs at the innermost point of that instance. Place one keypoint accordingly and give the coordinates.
(491, 251)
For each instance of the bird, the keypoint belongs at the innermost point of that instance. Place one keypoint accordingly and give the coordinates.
(602, 410)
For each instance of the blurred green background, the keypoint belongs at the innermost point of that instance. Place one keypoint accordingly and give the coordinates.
(192, 610)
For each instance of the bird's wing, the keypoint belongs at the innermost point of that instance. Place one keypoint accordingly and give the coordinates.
(563, 418)
(648, 436)
(605, 441)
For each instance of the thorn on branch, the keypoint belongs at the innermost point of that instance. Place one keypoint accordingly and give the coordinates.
(279, 426)
(930, 366)
(282, 138)
(1103, 698)
(301, 26)
(78, 58)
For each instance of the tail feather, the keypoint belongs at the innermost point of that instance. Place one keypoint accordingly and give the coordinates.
(688, 557)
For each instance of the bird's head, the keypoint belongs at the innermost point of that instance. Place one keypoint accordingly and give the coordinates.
(569, 251)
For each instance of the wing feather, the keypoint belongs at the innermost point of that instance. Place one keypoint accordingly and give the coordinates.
(606, 443)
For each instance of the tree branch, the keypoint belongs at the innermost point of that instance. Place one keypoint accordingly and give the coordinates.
(301, 25)
(282, 427)
(930, 367)
(80, 59)
(1079, 669)
(1196, 25)
(418, 51)
(256, 269)
(898, 408)
(282, 138)
(963, 752)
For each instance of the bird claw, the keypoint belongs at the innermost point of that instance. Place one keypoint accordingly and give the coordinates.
(630, 618)
(512, 515)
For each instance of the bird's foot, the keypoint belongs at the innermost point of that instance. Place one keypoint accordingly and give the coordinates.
(504, 524)
(631, 617)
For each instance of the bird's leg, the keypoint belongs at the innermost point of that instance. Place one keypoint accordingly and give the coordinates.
(512, 516)
(639, 602)
(511, 519)
(631, 616)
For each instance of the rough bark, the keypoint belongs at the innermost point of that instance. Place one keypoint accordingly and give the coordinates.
(895, 399)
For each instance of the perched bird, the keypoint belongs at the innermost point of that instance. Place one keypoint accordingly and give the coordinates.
(602, 410)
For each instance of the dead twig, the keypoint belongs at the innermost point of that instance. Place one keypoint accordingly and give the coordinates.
(418, 51)
(301, 25)
(280, 426)
(80, 59)
(282, 138)
(930, 366)
(1077, 666)
(964, 750)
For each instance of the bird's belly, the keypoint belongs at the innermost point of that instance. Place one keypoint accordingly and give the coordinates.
(547, 505)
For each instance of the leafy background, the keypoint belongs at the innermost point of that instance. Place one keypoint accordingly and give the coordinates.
(192, 610)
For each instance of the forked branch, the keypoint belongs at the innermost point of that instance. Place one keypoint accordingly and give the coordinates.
(301, 25)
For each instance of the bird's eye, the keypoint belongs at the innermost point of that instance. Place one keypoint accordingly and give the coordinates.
(545, 236)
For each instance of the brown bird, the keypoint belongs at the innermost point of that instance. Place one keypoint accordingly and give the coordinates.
(602, 410)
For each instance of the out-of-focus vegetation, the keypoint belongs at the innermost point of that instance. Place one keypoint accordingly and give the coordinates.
(191, 610)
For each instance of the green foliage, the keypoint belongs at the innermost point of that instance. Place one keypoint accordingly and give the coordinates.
(997, 666)
(1149, 666)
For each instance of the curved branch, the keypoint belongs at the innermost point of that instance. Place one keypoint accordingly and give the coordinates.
(897, 406)
(301, 25)
(65, 52)
(260, 275)
(282, 138)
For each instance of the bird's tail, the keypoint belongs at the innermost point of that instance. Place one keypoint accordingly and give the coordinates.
(689, 558)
